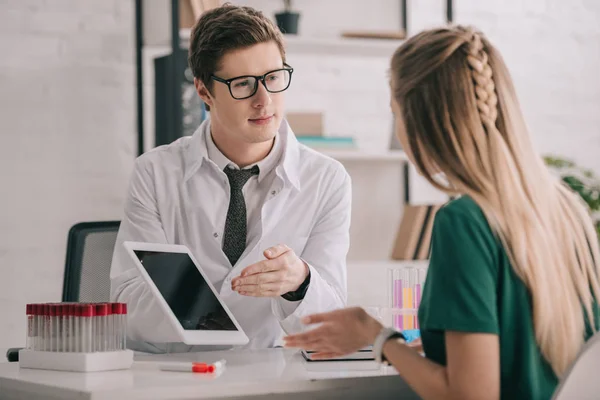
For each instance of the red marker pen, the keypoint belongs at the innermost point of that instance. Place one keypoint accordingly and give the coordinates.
(197, 367)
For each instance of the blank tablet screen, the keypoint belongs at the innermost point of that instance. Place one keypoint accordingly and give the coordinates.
(185, 291)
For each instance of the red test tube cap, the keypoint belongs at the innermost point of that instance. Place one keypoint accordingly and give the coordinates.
(101, 309)
(117, 308)
(87, 310)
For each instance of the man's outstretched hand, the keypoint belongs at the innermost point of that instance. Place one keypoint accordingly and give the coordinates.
(282, 272)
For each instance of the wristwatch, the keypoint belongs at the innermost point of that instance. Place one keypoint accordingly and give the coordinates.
(384, 335)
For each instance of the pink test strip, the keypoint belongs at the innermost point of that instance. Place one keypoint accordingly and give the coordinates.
(398, 303)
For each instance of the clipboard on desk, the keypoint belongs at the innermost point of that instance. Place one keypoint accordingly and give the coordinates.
(364, 354)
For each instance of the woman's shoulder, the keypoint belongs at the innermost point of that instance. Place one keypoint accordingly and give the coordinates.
(463, 207)
(463, 218)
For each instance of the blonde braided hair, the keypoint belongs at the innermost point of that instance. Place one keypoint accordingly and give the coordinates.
(485, 89)
(461, 117)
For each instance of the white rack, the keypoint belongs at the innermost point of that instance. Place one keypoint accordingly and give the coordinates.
(362, 155)
(367, 280)
(329, 46)
(77, 362)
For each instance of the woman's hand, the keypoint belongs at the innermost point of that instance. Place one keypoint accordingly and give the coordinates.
(340, 332)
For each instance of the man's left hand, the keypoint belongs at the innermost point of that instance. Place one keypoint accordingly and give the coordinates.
(282, 272)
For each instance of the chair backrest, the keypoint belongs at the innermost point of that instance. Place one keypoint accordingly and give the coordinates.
(89, 255)
(581, 379)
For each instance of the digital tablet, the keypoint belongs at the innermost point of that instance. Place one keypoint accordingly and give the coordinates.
(185, 294)
(364, 354)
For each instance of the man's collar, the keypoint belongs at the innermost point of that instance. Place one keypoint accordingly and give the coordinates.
(265, 166)
(289, 162)
(214, 154)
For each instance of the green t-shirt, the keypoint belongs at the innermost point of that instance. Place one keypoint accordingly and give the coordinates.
(471, 287)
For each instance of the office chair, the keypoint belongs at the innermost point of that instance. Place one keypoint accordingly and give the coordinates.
(90, 248)
(581, 379)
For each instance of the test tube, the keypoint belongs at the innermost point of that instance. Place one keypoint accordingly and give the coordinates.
(418, 292)
(390, 287)
(32, 310)
(52, 317)
(396, 287)
(94, 329)
(57, 321)
(42, 326)
(64, 328)
(114, 326)
(67, 309)
(38, 326)
(58, 329)
(85, 327)
(77, 308)
(107, 327)
(408, 297)
(123, 327)
(73, 320)
(29, 316)
(418, 289)
(101, 322)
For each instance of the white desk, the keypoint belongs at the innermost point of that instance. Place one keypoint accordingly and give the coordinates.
(255, 374)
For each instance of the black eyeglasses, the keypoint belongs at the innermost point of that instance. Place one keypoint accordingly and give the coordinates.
(243, 87)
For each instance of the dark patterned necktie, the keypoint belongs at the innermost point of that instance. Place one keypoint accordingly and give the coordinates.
(234, 239)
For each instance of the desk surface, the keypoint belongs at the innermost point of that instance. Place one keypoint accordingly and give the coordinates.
(279, 373)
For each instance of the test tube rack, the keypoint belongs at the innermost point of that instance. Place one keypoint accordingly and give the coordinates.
(76, 362)
(404, 296)
(81, 337)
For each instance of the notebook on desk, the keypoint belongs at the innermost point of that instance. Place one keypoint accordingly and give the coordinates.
(364, 354)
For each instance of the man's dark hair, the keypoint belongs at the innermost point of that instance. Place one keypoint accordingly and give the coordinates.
(225, 28)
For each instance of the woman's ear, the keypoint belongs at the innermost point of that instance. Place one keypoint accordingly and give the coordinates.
(203, 92)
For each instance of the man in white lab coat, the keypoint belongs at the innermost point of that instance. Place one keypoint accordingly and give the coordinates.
(266, 217)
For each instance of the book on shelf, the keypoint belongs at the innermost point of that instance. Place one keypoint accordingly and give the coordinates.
(367, 34)
(328, 142)
(190, 11)
(306, 123)
(413, 240)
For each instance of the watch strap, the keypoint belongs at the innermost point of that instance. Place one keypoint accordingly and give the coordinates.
(384, 335)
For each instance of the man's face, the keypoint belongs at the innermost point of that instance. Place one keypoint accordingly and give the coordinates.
(257, 118)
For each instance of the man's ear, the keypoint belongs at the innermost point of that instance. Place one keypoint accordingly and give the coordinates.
(203, 92)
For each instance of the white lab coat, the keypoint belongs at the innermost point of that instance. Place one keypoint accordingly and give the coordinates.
(176, 196)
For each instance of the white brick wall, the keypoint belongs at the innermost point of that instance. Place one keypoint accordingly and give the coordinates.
(67, 118)
(67, 104)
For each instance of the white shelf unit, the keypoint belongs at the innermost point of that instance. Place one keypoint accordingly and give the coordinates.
(363, 155)
(329, 45)
(341, 46)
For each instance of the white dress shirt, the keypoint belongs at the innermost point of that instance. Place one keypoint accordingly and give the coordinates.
(179, 194)
(256, 189)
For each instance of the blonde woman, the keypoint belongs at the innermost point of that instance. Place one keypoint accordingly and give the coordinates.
(511, 291)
